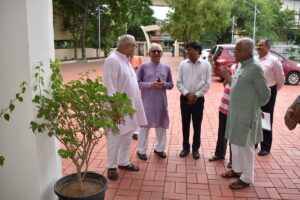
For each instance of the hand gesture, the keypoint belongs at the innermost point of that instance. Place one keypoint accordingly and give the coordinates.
(192, 98)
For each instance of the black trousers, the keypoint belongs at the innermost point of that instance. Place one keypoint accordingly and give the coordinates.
(221, 142)
(269, 108)
(194, 112)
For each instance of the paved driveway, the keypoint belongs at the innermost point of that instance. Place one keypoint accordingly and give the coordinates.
(277, 176)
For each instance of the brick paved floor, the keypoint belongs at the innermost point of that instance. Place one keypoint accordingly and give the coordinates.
(277, 176)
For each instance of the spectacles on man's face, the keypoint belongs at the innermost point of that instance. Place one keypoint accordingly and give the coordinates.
(156, 51)
(133, 45)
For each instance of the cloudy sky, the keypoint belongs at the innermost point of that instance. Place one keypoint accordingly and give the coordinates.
(160, 12)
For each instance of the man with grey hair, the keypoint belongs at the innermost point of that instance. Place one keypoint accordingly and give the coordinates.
(119, 76)
(249, 91)
(154, 79)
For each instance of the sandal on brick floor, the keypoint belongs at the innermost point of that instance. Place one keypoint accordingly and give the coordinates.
(229, 165)
(231, 174)
(112, 174)
(130, 167)
(238, 184)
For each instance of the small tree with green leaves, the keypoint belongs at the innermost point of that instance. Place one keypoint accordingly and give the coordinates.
(6, 112)
(78, 114)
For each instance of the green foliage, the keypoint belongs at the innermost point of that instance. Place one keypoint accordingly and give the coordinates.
(2, 159)
(271, 21)
(77, 113)
(194, 19)
(81, 18)
(297, 37)
(6, 112)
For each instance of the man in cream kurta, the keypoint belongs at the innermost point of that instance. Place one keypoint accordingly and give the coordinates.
(119, 76)
(249, 91)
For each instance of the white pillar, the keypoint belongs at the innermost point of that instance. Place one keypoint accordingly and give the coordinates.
(26, 37)
(176, 48)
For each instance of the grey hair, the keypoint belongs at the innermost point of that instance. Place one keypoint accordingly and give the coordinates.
(125, 40)
(152, 45)
(268, 42)
(248, 44)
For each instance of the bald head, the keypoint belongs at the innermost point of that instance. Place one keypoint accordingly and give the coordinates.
(126, 45)
(155, 52)
(155, 46)
(247, 44)
(244, 49)
(125, 40)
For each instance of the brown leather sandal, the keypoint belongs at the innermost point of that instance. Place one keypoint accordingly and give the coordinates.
(130, 167)
(238, 184)
(231, 174)
(112, 174)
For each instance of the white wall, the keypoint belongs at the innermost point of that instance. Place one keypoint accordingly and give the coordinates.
(31, 165)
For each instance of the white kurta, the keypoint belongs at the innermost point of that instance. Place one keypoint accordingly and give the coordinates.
(119, 76)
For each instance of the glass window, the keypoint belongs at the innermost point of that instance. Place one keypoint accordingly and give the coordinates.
(277, 56)
(219, 51)
(230, 52)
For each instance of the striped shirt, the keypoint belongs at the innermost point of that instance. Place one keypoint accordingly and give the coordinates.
(223, 107)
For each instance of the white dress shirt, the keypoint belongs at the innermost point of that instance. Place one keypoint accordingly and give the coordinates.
(194, 77)
(273, 70)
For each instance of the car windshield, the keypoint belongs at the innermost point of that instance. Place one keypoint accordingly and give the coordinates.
(219, 51)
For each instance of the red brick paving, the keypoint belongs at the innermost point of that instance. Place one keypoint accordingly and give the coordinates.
(277, 176)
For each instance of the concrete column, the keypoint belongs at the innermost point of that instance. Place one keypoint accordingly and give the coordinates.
(26, 37)
(176, 48)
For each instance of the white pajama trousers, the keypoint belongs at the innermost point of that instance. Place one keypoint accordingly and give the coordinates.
(243, 160)
(118, 147)
(160, 142)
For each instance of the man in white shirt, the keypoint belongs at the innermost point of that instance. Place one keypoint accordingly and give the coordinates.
(274, 76)
(119, 76)
(193, 81)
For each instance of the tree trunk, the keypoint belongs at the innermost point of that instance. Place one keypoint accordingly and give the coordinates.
(83, 30)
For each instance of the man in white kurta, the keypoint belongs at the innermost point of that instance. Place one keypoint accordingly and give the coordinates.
(119, 76)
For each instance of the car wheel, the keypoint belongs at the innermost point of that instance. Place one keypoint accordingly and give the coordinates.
(293, 78)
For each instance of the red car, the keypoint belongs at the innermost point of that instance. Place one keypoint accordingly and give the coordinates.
(223, 56)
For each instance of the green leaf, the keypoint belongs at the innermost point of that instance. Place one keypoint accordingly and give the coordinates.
(6, 117)
(2, 160)
(36, 99)
(33, 126)
(65, 154)
(35, 88)
(11, 107)
(23, 90)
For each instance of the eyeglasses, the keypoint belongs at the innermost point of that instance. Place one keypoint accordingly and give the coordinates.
(133, 45)
(156, 51)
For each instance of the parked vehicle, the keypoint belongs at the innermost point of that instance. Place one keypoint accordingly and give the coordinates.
(223, 56)
(205, 53)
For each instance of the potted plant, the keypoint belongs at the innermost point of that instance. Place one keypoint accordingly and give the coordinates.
(6, 111)
(78, 114)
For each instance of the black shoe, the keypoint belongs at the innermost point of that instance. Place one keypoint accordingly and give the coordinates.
(183, 153)
(142, 156)
(161, 154)
(262, 153)
(215, 158)
(135, 136)
(196, 155)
